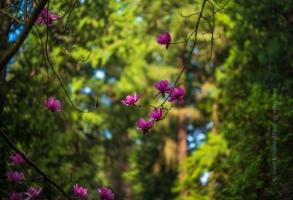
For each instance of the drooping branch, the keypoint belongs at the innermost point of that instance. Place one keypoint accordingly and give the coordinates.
(27, 28)
(48, 64)
(195, 32)
(44, 175)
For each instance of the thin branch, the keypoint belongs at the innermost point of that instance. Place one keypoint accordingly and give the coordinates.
(25, 11)
(12, 17)
(212, 31)
(212, 45)
(27, 28)
(47, 59)
(5, 137)
(68, 181)
(190, 54)
(68, 49)
(69, 13)
(186, 16)
(167, 109)
(222, 7)
(12, 6)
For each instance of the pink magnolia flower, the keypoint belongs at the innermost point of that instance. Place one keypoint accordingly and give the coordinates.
(17, 159)
(143, 125)
(15, 196)
(79, 191)
(106, 194)
(162, 86)
(164, 39)
(131, 100)
(33, 192)
(177, 94)
(53, 105)
(156, 114)
(16, 177)
(47, 18)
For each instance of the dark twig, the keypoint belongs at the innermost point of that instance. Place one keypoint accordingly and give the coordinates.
(190, 54)
(46, 178)
(25, 11)
(27, 28)
(167, 109)
(12, 17)
(222, 7)
(69, 13)
(212, 29)
(67, 49)
(47, 59)
(68, 181)
(187, 16)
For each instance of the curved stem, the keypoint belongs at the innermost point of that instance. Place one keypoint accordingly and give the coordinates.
(5, 137)
(27, 28)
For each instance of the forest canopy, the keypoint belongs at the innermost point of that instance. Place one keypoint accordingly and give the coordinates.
(135, 100)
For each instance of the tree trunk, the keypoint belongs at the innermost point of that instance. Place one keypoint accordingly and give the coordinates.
(213, 174)
(181, 136)
(4, 29)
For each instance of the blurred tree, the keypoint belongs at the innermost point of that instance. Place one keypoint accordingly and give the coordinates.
(254, 78)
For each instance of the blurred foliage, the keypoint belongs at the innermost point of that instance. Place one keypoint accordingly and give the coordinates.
(117, 41)
(258, 39)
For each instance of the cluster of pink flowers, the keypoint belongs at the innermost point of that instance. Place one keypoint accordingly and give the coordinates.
(16, 177)
(47, 18)
(54, 105)
(175, 94)
(31, 193)
(105, 194)
(156, 114)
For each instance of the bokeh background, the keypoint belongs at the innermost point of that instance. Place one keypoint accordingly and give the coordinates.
(232, 139)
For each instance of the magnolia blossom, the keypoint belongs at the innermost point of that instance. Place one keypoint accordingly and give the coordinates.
(162, 86)
(79, 191)
(131, 100)
(53, 105)
(106, 194)
(15, 176)
(15, 196)
(164, 39)
(177, 94)
(17, 159)
(143, 125)
(33, 192)
(156, 114)
(47, 18)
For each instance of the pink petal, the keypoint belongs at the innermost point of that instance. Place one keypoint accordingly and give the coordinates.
(157, 85)
(168, 36)
(51, 100)
(56, 106)
(172, 99)
(181, 92)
